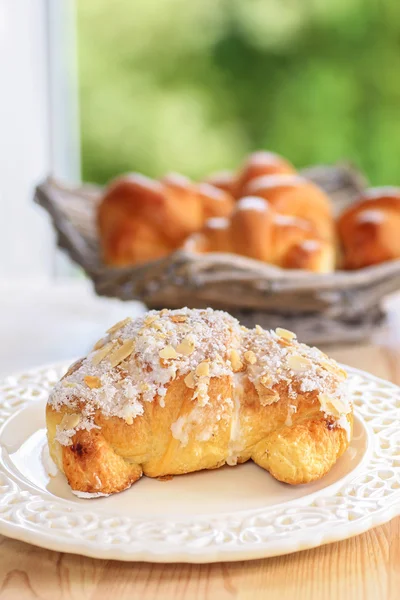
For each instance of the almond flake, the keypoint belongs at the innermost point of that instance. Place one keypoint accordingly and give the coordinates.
(119, 325)
(203, 369)
(250, 357)
(168, 352)
(121, 353)
(235, 360)
(150, 319)
(100, 343)
(179, 318)
(164, 312)
(265, 380)
(259, 329)
(128, 420)
(69, 384)
(331, 405)
(285, 334)
(102, 353)
(186, 347)
(298, 363)
(190, 381)
(69, 421)
(92, 382)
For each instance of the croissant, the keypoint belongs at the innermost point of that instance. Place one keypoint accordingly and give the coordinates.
(369, 230)
(223, 180)
(258, 164)
(140, 219)
(178, 391)
(296, 196)
(256, 230)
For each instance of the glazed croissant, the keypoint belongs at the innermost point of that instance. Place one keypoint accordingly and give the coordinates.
(140, 219)
(255, 165)
(369, 230)
(256, 230)
(178, 391)
(296, 196)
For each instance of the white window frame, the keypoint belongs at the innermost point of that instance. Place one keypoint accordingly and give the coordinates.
(39, 129)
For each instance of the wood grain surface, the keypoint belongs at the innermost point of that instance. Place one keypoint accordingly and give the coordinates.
(366, 567)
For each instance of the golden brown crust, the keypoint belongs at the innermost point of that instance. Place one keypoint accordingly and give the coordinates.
(140, 219)
(256, 230)
(281, 411)
(297, 197)
(369, 230)
(258, 164)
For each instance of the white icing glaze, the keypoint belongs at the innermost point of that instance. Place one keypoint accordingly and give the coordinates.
(271, 181)
(218, 223)
(234, 445)
(371, 216)
(344, 424)
(177, 179)
(145, 182)
(261, 157)
(310, 245)
(252, 203)
(210, 190)
(89, 495)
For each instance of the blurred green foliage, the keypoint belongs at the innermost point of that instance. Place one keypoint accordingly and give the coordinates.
(193, 85)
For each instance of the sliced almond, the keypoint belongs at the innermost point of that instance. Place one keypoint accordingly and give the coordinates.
(190, 381)
(128, 420)
(122, 352)
(168, 352)
(179, 318)
(186, 346)
(334, 369)
(285, 334)
(250, 357)
(68, 384)
(69, 421)
(102, 353)
(164, 312)
(100, 343)
(119, 325)
(150, 319)
(259, 329)
(265, 380)
(203, 369)
(92, 382)
(298, 363)
(236, 362)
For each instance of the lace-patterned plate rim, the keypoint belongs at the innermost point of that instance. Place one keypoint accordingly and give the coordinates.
(370, 496)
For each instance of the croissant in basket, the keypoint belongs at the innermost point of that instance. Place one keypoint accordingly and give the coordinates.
(140, 219)
(369, 230)
(256, 164)
(177, 391)
(298, 197)
(256, 230)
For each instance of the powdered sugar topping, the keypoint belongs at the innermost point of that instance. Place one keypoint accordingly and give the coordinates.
(137, 360)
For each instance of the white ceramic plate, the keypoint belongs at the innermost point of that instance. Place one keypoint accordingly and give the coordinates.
(230, 514)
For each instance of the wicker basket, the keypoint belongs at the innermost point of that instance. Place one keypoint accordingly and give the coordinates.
(342, 306)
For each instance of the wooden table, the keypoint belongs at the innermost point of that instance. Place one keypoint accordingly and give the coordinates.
(366, 567)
